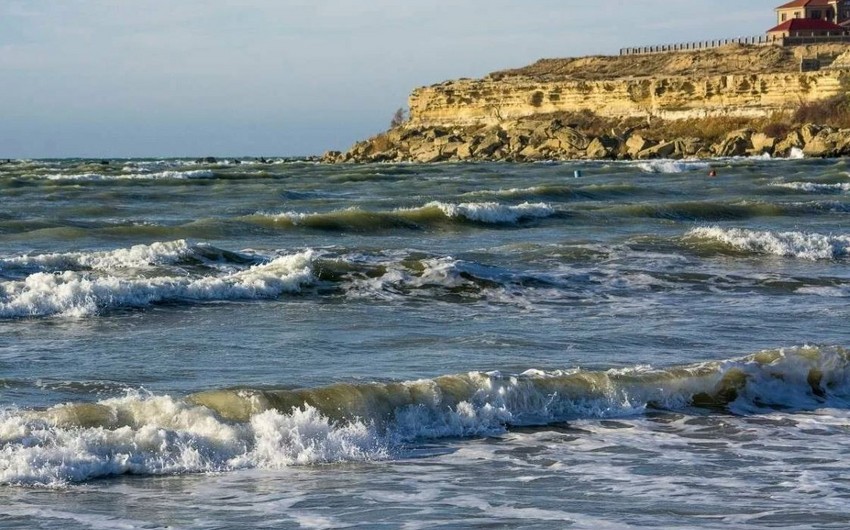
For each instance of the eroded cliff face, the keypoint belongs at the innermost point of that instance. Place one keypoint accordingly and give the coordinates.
(737, 100)
(493, 100)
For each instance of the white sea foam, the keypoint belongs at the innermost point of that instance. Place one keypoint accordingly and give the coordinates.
(792, 244)
(148, 434)
(492, 212)
(671, 166)
(137, 256)
(796, 154)
(814, 187)
(142, 175)
(440, 274)
(72, 293)
(162, 435)
(485, 212)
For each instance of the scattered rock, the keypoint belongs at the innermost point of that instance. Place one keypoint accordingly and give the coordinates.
(792, 139)
(635, 144)
(762, 143)
(603, 147)
(662, 150)
(550, 139)
(736, 143)
(821, 145)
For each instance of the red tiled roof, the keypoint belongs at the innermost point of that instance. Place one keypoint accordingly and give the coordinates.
(803, 3)
(806, 24)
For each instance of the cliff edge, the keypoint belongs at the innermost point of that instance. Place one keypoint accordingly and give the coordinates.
(728, 101)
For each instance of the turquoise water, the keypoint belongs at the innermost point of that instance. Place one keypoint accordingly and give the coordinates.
(294, 345)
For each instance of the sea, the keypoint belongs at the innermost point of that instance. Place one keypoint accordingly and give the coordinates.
(286, 344)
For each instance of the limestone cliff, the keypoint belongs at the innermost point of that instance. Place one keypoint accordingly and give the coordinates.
(735, 80)
(491, 101)
(524, 114)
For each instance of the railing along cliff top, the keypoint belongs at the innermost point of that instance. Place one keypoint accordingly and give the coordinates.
(760, 40)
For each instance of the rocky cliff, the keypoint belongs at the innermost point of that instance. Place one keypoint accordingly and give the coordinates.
(494, 100)
(525, 114)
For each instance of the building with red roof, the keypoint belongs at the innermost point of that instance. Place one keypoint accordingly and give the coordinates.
(806, 27)
(835, 11)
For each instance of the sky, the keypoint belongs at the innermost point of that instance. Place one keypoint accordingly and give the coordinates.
(158, 78)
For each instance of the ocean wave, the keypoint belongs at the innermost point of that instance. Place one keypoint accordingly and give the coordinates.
(492, 212)
(143, 175)
(226, 429)
(814, 187)
(705, 210)
(137, 256)
(790, 244)
(88, 292)
(432, 214)
(671, 166)
(79, 284)
(561, 192)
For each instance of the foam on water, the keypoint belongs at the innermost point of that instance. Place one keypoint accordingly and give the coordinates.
(84, 293)
(432, 214)
(232, 429)
(671, 166)
(814, 187)
(492, 212)
(137, 256)
(143, 175)
(791, 244)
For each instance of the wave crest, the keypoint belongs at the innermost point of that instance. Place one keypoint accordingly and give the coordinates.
(83, 293)
(431, 215)
(790, 244)
(227, 429)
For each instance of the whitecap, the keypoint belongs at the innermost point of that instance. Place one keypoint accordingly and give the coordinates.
(492, 212)
(671, 166)
(814, 187)
(804, 245)
(79, 294)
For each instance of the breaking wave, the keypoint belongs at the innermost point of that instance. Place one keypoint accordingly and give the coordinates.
(814, 187)
(79, 284)
(84, 284)
(671, 166)
(433, 214)
(227, 429)
(180, 175)
(790, 244)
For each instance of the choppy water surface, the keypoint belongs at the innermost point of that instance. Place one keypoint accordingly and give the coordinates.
(292, 345)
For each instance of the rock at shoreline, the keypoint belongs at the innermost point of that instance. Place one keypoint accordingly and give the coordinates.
(531, 140)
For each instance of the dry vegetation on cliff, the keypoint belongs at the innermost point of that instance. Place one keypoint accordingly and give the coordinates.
(726, 60)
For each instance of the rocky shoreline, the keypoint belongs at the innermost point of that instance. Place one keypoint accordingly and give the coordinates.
(533, 140)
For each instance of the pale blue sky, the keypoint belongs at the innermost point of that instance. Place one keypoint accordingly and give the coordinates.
(120, 78)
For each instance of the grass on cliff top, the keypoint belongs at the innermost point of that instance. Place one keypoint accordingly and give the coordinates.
(725, 60)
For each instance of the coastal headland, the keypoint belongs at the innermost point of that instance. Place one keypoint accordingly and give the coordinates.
(734, 100)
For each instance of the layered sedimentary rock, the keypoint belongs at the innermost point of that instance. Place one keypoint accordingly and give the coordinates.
(524, 114)
(491, 101)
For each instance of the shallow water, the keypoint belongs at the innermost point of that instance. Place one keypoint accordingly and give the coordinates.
(295, 345)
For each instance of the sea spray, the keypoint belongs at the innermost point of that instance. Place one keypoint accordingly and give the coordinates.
(803, 245)
(77, 294)
(221, 430)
